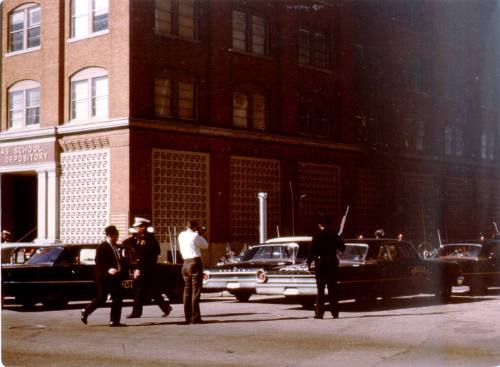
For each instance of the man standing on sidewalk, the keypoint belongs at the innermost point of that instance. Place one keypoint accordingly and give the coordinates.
(190, 242)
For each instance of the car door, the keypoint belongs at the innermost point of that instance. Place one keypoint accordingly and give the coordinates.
(83, 272)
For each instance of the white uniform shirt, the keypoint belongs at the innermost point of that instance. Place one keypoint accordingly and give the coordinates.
(190, 243)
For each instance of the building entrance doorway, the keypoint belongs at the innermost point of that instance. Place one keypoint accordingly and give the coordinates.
(19, 205)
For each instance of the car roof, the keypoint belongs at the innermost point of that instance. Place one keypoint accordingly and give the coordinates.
(289, 239)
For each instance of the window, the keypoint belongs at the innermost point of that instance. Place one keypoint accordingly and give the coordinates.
(24, 104)
(414, 134)
(454, 87)
(24, 28)
(249, 33)
(175, 98)
(249, 110)
(415, 75)
(453, 141)
(313, 119)
(487, 146)
(89, 94)
(177, 17)
(313, 49)
(88, 16)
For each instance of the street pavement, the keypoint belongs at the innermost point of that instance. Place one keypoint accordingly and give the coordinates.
(266, 331)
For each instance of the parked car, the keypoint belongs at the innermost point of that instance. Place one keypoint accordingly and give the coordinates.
(368, 269)
(240, 278)
(57, 274)
(480, 261)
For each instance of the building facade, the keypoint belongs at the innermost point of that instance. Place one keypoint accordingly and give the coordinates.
(184, 109)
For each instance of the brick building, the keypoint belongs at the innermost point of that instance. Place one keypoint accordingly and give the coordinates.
(181, 109)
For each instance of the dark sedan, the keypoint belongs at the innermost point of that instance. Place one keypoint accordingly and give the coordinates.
(369, 268)
(57, 274)
(480, 261)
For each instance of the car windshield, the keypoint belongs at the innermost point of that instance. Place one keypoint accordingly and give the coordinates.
(460, 250)
(276, 252)
(354, 252)
(45, 255)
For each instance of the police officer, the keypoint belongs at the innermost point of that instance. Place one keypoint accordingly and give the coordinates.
(323, 251)
(145, 275)
(108, 265)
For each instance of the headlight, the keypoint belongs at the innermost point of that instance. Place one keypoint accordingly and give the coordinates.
(206, 276)
(460, 280)
(261, 276)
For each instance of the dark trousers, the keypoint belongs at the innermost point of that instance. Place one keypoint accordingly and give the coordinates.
(327, 276)
(145, 288)
(111, 286)
(192, 272)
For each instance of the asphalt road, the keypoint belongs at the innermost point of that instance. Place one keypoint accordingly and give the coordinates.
(409, 331)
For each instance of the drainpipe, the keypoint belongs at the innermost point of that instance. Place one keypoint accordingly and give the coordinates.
(262, 217)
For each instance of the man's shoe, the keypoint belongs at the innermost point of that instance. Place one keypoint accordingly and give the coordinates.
(335, 315)
(167, 311)
(318, 316)
(83, 316)
(133, 316)
(197, 321)
(116, 324)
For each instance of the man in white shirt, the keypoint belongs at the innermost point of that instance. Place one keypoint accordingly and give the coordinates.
(190, 243)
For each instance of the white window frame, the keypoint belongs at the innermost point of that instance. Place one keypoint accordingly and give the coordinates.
(90, 14)
(89, 76)
(23, 87)
(25, 9)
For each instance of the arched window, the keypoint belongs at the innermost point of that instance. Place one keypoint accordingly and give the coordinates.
(24, 104)
(24, 27)
(89, 94)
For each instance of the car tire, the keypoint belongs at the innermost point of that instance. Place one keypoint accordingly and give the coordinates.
(443, 294)
(55, 300)
(27, 302)
(242, 296)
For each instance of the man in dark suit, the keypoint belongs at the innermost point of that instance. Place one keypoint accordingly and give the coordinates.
(325, 245)
(108, 265)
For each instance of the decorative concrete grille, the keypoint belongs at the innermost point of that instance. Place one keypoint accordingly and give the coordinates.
(319, 187)
(180, 191)
(84, 196)
(248, 177)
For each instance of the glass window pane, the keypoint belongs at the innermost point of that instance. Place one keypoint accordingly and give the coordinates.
(15, 119)
(186, 27)
(240, 109)
(17, 41)
(34, 16)
(33, 97)
(100, 22)
(79, 98)
(163, 97)
(100, 97)
(17, 21)
(258, 35)
(79, 7)
(186, 100)
(100, 15)
(80, 26)
(33, 116)
(259, 112)
(34, 37)
(239, 30)
(163, 14)
(16, 100)
(304, 48)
